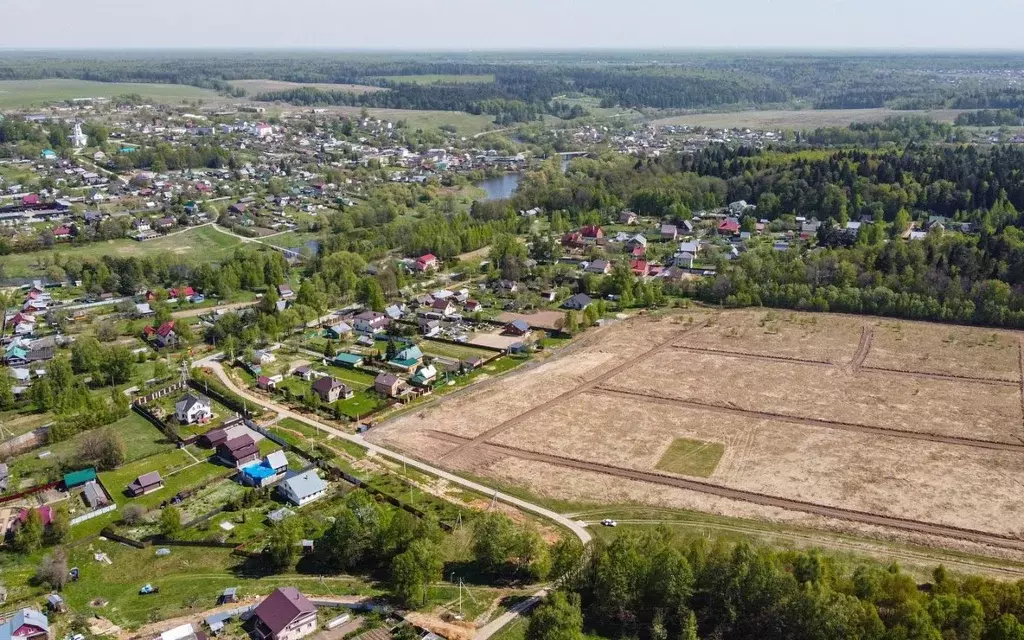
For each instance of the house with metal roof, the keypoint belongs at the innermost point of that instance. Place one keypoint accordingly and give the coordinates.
(94, 495)
(302, 489)
(26, 624)
(285, 614)
(407, 359)
(78, 478)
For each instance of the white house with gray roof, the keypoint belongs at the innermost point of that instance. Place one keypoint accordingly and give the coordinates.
(303, 488)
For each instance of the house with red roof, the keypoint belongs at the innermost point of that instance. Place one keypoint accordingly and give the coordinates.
(729, 226)
(592, 232)
(188, 292)
(426, 262)
(162, 336)
(573, 239)
(63, 232)
(30, 199)
(639, 267)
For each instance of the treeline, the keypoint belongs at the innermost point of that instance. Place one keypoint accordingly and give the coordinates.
(667, 80)
(893, 130)
(643, 585)
(992, 118)
(164, 157)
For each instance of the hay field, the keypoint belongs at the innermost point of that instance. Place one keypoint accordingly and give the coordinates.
(637, 403)
(254, 87)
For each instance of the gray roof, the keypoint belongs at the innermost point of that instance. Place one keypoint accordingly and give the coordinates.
(20, 619)
(190, 400)
(277, 460)
(305, 485)
(94, 495)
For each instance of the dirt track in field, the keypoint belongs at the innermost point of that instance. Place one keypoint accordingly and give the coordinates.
(914, 526)
(572, 393)
(811, 422)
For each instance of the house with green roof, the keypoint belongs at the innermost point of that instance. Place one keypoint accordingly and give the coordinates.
(348, 360)
(78, 478)
(407, 359)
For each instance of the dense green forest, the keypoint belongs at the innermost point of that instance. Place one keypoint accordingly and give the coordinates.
(642, 585)
(973, 277)
(530, 81)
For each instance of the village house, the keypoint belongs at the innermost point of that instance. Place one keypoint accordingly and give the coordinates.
(388, 385)
(407, 359)
(669, 232)
(285, 614)
(338, 331)
(577, 302)
(238, 452)
(302, 489)
(627, 217)
(370, 322)
(261, 474)
(146, 483)
(424, 376)
(331, 389)
(599, 265)
(26, 624)
(517, 327)
(425, 262)
(443, 306)
(193, 408)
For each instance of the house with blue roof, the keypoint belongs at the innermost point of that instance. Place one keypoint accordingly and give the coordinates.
(261, 474)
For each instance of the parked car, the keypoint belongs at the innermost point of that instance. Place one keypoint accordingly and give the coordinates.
(607, 522)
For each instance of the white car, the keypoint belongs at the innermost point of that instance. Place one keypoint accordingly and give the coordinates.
(609, 523)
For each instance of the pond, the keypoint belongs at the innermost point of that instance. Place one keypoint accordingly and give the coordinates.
(500, 187)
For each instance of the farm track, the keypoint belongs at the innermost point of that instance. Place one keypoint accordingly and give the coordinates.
(862, 517)
(996, 382)
(1020, 351)
(572, 393)
(811, 422)
(751, 356)
(867, 334)
(856, 364)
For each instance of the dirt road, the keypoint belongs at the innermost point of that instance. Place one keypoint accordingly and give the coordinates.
(914, 526)
(201, 311)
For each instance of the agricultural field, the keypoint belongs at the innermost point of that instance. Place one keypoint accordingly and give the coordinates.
(254, 87)
(799, 119)
(441, 79)
(30, 93)
(200, 241)
(788, 417)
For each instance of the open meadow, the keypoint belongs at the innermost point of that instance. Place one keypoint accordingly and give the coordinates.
(201, 242)
(261, 86)
(775, 415)
(31, 93)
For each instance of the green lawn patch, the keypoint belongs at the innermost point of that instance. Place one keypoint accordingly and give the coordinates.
(203, 243)
(441, 78)
(454, 351)
(27, 93)
(691, 457)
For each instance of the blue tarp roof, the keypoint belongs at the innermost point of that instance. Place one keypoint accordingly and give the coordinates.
(257, 470)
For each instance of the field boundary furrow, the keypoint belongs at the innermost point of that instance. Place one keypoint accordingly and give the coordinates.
(572, 393)
(996, 382)
(839, 513)
(867, 333)
(1020, 364)
(811, 422)
(751, 356)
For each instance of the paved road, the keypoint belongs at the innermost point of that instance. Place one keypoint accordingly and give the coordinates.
(578, 529)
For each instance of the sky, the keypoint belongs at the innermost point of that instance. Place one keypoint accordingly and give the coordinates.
(513, 24)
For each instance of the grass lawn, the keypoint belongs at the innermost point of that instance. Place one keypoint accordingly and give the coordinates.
(190, 579)
(691, 457)
(178, 469)
(358, 380)
(442, 78)
(361, 404)
(27, 93)
(141, 439)
(202, 243)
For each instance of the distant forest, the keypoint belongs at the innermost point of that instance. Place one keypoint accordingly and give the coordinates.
(528, 84)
